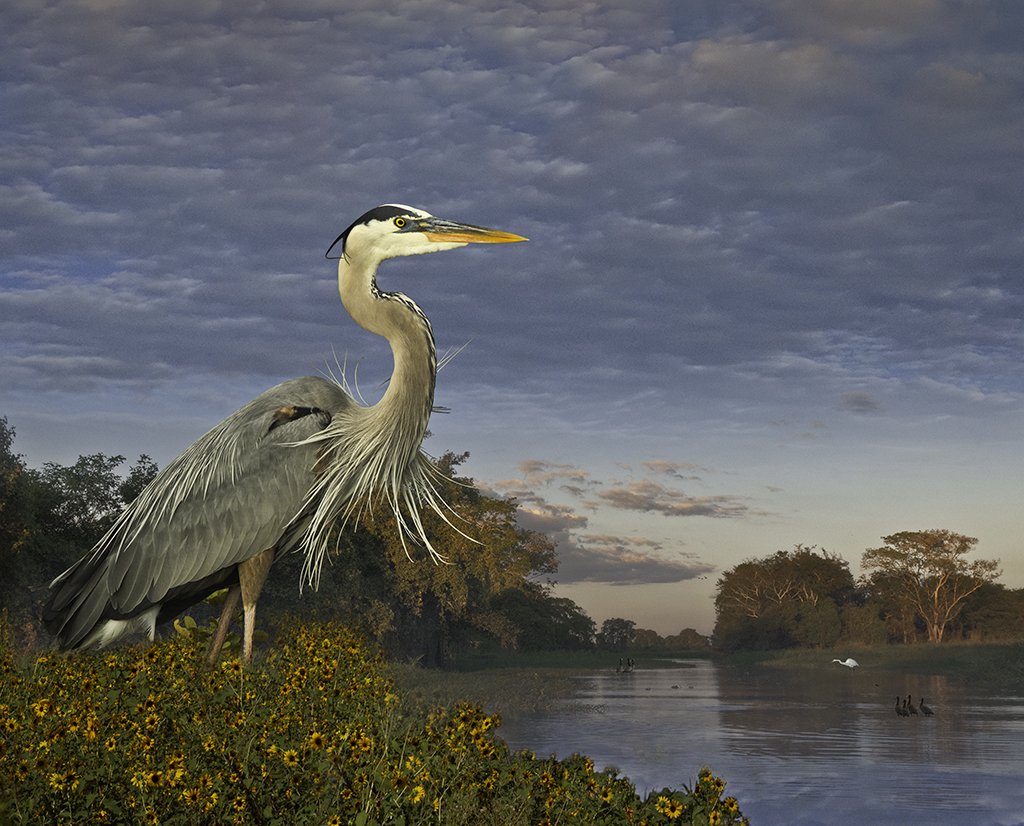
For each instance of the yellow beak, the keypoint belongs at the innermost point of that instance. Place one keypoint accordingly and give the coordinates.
(437, 229)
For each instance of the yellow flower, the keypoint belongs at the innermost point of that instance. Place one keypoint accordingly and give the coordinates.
(715, 817)
(316, 740)
(607, 795)
(673, 809)
(291, 758)
(41, 707)
(334, 820)
(418, 794)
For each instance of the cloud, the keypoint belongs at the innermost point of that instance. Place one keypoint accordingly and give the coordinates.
(623, 561)
(650, 497)
(738, 213)
(683, 471)
(857, 401)
(541, 473)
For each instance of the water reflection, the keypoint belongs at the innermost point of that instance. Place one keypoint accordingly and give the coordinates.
(800, 747)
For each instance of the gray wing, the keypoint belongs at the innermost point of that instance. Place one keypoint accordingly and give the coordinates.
(225, 499)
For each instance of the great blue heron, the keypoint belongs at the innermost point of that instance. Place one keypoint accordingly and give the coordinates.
(281, 472)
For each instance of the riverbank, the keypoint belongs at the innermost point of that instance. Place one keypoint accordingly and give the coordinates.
(506, 682)
(991, 664)
(530, 682)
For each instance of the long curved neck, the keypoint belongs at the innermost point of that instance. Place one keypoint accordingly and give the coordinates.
(405, 407)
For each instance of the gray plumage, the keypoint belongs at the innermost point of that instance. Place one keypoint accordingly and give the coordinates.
(282, 472)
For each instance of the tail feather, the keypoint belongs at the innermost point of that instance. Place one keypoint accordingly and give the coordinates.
(79, 610)
(77, 601)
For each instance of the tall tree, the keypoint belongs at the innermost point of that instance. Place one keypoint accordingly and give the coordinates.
(925, 574)
(788, 598)
(414, 607)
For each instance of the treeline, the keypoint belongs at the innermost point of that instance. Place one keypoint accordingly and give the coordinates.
(495, 592)
(918, 586)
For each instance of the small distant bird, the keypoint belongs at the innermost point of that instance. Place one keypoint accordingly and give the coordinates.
(910, 706)
(927, 712)
(849, 662)
(899, 711)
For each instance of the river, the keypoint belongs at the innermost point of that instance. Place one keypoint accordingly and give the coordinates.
(800, 747)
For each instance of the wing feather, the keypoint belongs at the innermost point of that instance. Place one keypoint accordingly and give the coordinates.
(228, 497)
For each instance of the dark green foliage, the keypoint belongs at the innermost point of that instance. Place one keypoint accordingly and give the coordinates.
(544, 622)
(616, 634)
(788, 599)
(50, 517)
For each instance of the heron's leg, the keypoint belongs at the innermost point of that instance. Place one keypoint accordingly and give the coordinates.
(251, 575)
(230, 603)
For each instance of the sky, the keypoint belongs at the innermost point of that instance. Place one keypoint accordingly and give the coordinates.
(773, 292)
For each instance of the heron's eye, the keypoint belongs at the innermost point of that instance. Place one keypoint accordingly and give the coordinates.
(399, 222)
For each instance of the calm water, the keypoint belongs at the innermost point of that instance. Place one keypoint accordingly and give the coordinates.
(800, 748)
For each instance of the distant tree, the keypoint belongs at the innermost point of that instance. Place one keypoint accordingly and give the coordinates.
(925, 575)
(786, 599)
(543, 622)
(139, 475)
(51, 517)
(616, 634)
(18, 515)
(86, 497)
(647, 639)
(688, 638)
(863, 624)
(993, 613)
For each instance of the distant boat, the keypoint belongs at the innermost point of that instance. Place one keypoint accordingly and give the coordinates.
(849, 662)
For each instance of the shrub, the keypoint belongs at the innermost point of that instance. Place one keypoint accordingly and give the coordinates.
(315, 734)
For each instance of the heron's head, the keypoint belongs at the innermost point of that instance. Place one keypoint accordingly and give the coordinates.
(393, 230)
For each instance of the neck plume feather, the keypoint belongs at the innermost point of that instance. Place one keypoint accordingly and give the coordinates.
(370, 457)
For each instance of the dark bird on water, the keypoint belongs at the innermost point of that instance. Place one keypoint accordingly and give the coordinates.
(279, 474)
